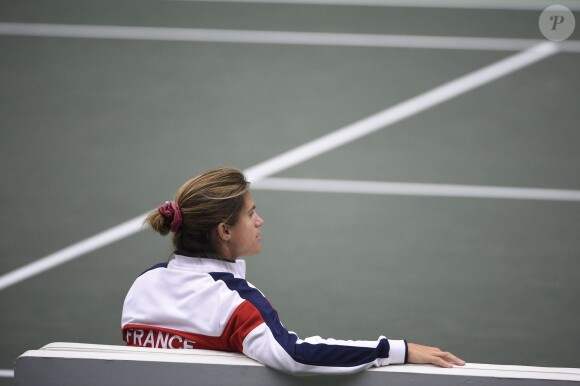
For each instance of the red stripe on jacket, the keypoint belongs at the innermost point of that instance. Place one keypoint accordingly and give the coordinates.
(243, 320)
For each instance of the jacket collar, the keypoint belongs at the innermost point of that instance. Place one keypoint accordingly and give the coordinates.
(237, 268)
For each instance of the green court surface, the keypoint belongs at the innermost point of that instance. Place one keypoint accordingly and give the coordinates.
(96, 131)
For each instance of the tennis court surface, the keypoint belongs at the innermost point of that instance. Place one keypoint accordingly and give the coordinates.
(417, 166)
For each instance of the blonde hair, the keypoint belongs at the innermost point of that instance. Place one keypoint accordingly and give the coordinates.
(204, 201)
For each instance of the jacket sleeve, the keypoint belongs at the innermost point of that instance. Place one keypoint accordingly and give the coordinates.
(262, 337)
(284, 351)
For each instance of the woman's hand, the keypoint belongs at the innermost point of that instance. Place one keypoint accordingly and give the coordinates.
(430, 355)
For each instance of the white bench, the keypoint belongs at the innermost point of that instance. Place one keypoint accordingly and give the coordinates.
(90, 364)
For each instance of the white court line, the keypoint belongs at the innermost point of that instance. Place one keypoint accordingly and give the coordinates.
(274, 37)
(311, 149)
(497, 4)
(6, 373)
(403, 110)
(62, 256)
(414, 189)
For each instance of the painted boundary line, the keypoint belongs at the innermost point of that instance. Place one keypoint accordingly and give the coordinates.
(310, 150)
(491, 5)
(6, 373)
(274, 37)
(414, 189)
(403, 110)
(62, 256)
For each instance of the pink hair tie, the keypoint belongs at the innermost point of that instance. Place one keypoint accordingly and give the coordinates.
(170, 210)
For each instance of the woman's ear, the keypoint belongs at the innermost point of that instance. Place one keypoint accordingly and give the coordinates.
(223, 231)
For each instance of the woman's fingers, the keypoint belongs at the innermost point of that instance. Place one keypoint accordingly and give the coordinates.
(441, 363)
(449, 358)
(453, 359)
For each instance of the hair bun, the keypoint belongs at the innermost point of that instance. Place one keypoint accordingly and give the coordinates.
(170, 211)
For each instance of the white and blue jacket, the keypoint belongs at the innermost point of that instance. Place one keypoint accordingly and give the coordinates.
(207, 304)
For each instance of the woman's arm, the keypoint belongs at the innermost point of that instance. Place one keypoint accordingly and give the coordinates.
(284, 351)
(255, 329)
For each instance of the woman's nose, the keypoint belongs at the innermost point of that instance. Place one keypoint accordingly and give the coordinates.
(260, 221)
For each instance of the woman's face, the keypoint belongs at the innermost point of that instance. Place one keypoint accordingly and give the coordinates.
(245, 235)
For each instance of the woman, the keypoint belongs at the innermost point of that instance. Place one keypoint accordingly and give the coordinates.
(200, 299)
